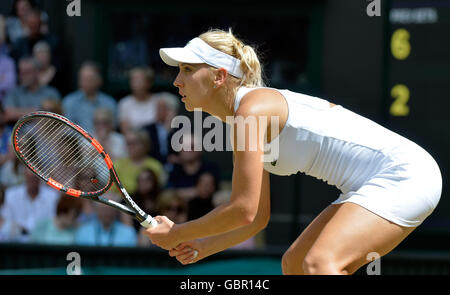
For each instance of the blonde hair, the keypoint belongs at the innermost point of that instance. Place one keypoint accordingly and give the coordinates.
(228, 43)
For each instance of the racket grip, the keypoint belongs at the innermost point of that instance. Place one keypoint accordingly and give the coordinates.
(149, 222)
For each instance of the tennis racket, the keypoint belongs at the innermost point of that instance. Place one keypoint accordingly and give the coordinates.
(70, 160)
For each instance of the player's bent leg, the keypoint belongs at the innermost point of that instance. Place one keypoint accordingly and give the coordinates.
(292, 260)
(348, 237)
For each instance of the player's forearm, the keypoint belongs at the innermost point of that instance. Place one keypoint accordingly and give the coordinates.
(215, 244)
(222, 219)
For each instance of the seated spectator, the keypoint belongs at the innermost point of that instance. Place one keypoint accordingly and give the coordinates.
(147, 193)
(29, 95)
(171, 205)
(129, 168)
(9, 230)
(42, 54)
(51, 105)
(5, 139)
(87, 211)
(83, 181)
(48, 73)
(15, 22)
(28, 204)
(161, 131)
(7, 65)
(113, 142)
(106, 229)
(138, 108)
(12, 172)
(202, 203)
(189, 167)
(59, 230)
(23, 46)
(4, 47)
(80, 106)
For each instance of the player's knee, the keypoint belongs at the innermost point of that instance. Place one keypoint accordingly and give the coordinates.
(290, 265)
(285, 263)
(319, 263)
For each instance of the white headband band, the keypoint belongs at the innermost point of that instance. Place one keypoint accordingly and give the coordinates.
(214, 57)
(198, 51)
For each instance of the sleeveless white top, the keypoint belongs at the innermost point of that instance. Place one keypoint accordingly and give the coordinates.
(333, 144)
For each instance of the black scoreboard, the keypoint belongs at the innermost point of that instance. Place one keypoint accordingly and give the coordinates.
(417, 94)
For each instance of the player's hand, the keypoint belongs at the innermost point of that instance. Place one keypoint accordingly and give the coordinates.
(188, 252)
(163, 235)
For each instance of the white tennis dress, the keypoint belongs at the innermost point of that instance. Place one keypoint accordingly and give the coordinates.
(372, 166)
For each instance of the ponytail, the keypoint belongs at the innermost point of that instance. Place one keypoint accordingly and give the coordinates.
(229, 44)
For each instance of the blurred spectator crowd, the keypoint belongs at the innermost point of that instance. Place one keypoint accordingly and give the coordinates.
(135, 130)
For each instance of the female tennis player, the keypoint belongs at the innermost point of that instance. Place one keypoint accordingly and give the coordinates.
(389, 184)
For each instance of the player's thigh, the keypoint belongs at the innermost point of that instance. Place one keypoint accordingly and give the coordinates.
(351, 234)
(293, 257)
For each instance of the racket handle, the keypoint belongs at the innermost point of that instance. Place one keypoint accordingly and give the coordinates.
(149, 222)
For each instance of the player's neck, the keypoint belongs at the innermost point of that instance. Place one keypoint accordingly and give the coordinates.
(222, 104)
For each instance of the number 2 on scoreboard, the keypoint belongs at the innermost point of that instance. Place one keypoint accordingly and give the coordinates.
(399, 107)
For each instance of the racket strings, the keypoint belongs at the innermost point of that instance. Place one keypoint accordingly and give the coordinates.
(70, 161)
(51, 134)
(55, 150)
(89, 159)
(63, 151)
(28, 131)
(31, 152)
(66, 151)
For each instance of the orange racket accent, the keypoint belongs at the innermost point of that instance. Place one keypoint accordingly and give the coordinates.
(53, 183)
(80, 130)
(108, 161)
(16, 145)
(97, 145)
(73, 192)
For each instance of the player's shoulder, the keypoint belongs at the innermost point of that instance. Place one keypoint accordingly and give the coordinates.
(259, 101)
(259, 93)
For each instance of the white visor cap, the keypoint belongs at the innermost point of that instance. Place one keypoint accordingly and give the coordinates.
(198, 51)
